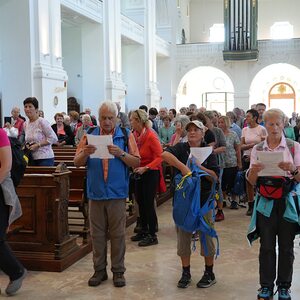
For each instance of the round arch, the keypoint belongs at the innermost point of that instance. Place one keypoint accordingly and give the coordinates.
(271, 76)
(206, 86)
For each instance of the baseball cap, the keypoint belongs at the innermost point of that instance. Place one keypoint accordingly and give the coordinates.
(197, 124)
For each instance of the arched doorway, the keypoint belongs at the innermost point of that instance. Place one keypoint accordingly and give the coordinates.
(282, 95)
(278, 86)
(208, 87)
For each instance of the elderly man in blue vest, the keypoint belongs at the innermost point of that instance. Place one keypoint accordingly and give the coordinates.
(107, 190)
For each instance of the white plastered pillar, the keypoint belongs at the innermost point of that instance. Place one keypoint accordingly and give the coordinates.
(49, 78)
(152, 92)
(114, 85)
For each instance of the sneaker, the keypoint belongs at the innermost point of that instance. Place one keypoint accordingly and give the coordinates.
(265, 293)
(284, 293)
(119, 279)
(138, 237)
(15, 285)
(219, 216)
(233, 205)
(207, 280)
(184, 281)
(149, 240)
(97, 278)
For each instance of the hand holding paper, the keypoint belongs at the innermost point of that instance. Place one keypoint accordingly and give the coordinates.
(100, 142)
(270, 160)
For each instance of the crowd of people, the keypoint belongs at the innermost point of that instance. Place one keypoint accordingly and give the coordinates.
(145, 138)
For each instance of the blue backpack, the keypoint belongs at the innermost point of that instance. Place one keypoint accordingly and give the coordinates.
(188, 214)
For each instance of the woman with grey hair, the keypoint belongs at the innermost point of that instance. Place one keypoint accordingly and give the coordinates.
(86, 125)
(273, 220)
(180, 135)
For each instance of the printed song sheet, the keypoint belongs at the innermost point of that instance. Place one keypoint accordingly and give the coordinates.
(270, 160)
(201, 153)
(100, 142)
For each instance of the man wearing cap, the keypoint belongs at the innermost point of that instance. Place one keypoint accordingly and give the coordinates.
(177, 157)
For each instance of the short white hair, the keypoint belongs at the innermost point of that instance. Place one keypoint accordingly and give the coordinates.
(111, 106)
(274, 111)
(86, 117)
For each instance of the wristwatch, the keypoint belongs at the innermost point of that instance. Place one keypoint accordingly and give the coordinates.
(294, 173)
(123, 154)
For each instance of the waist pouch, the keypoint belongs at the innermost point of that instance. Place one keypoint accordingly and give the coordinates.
(274, 187)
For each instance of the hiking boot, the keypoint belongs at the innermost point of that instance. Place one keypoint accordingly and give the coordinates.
(233, 205)
(265, 293)
(138, 237)
(250, 209)
(184, 281)
(284, 293)
(119, 279)
(149, 240)
(207, 280)
(98, 277)
(14, 285)
(219, 216)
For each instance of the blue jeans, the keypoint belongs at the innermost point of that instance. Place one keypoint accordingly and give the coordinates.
(42, 162)
(9, 264)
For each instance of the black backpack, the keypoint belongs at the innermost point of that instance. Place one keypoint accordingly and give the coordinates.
(18, 161)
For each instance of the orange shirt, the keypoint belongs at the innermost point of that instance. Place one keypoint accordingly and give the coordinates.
(132, 150)
(150, 149)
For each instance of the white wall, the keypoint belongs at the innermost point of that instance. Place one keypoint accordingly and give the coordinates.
(270, 11)
(93, 91)
(203, 14)
(72, 62)
(164, 81)
(133, 70)
(16, 54)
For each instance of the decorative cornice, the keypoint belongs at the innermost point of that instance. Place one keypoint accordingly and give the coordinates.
(92, 9)
(42, 71)
(132, 30)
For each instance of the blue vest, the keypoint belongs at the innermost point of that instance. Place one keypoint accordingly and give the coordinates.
(117, 183)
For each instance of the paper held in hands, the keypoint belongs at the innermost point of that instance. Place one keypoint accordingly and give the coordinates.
(201, 153)
(100, 142)
(270, 160)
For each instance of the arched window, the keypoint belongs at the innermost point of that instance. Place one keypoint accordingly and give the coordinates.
(282, 95)
(217, 33)
(282, 30)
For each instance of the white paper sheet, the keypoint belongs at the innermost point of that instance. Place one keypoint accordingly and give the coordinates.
(201, 153)
(270, 160)
(100, 142)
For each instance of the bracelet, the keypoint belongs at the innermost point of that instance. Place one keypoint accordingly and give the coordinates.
(295, 172)
(123, 154)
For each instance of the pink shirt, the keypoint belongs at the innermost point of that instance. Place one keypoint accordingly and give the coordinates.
(253, 135)
(4, 141)
(282, 147)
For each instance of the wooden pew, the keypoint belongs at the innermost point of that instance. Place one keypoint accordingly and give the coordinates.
(44, 242)
(76, 199)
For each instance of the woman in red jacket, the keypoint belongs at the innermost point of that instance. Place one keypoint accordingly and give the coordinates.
(147, 176)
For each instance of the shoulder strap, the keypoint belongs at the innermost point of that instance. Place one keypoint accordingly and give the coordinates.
(291, 145)
(125, 133)
(91, 129)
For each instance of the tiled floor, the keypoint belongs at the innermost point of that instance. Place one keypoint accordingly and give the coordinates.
(153, 272)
